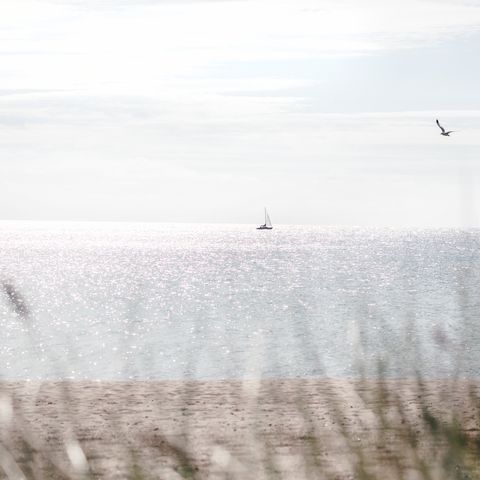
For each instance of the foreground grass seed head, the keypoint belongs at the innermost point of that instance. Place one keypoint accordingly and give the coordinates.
(395, 429)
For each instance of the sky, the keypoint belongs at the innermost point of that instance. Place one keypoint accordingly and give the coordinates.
(206, 111)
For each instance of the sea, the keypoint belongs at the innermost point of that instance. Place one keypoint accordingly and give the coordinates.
(117, 301)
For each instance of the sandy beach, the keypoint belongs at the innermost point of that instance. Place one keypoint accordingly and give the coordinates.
(290, 429)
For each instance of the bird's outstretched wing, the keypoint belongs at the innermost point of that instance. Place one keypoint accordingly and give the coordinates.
(441, 128)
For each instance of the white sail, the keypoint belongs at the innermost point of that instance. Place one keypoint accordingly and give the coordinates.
(268, 222)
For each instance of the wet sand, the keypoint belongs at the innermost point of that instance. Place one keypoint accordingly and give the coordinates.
(292, 429)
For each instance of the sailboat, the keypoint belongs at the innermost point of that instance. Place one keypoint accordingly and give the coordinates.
(267, 225)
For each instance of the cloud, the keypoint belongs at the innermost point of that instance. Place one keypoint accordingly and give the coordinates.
(177, 107)
(147, 45)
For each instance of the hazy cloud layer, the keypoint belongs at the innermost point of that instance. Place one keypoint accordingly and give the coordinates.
(206, 111)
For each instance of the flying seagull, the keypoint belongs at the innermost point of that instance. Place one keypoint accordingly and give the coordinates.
(444, 133)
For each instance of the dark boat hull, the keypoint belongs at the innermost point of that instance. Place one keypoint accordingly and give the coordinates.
(264, 228)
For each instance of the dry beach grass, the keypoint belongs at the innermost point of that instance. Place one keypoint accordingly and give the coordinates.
(292, 429)
(285, 429)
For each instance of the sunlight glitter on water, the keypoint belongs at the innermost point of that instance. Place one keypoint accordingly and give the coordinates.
(189, 301)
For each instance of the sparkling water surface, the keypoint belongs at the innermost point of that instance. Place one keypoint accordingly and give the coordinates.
(158, 301)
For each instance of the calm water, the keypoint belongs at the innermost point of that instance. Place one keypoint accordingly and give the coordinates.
(204, 301)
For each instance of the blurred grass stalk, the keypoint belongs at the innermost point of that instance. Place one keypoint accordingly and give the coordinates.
(380, 428)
